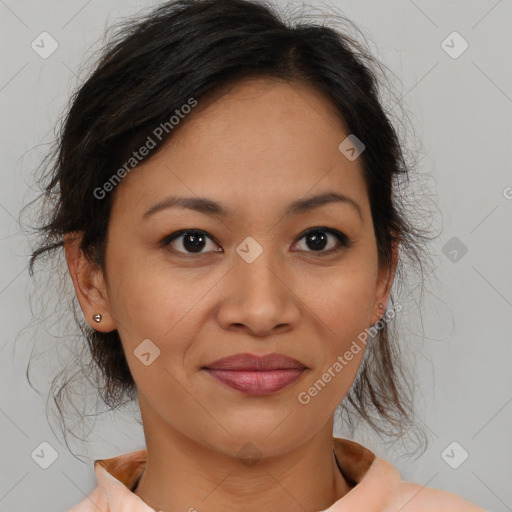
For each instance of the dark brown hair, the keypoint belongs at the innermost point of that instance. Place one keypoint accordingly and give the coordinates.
(191, 48)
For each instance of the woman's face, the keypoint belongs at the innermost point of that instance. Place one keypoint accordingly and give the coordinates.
(254, 282)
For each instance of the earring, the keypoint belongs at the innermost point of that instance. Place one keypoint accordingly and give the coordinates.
(381, 306)
(97, 318)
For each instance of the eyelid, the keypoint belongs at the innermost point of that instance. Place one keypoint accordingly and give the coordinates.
(176, 234)
(343, 240)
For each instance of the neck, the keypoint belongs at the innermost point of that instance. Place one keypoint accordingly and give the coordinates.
(181, 474)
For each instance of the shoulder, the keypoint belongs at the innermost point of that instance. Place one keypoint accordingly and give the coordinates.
(414, 497)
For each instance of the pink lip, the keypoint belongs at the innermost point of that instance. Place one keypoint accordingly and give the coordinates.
(256, 375)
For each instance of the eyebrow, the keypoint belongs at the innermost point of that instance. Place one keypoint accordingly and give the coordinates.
(210, 207)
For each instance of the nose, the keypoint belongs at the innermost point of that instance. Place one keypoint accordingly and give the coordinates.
(258, 298)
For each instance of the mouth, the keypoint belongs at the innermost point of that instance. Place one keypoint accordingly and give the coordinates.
(255, 375)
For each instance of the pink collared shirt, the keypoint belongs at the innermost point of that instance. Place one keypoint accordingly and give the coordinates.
(377, 486)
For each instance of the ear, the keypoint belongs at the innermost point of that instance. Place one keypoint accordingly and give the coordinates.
(89, 283)
(385, 278)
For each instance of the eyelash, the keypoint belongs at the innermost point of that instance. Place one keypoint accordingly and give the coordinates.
(344, 241)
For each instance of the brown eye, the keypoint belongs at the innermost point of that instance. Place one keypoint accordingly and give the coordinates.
(317, 239)
(189, 241)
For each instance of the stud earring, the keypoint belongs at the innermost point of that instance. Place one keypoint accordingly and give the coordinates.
(381, 306)
(97, 318)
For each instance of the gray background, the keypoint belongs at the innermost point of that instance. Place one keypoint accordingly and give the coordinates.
(461, 111)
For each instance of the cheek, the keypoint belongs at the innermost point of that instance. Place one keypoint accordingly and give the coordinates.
(341, 300)
(341, 303)
(147, 299)
(342, 311)
(163, 304)
(147, 307)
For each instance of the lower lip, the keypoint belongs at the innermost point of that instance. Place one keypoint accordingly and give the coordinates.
(256, 382)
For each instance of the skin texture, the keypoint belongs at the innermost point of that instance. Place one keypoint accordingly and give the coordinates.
(255, 149)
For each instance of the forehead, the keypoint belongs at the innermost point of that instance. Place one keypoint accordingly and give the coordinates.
(256, 143)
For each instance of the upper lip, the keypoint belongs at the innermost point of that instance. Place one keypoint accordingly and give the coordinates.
(252, 362)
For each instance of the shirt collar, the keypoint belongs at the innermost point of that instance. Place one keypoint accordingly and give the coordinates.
(374, 480)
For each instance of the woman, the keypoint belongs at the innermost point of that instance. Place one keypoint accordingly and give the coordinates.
(224, 192)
